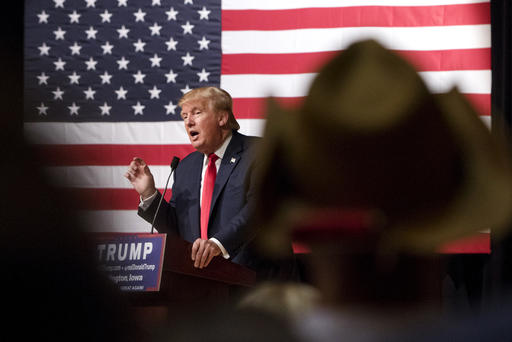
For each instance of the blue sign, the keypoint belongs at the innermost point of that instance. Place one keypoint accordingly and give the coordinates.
(131, 260)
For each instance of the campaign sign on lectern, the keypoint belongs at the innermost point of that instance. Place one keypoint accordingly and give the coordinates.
(132, 260)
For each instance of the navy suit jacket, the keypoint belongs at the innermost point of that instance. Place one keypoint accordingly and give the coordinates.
(232, 199)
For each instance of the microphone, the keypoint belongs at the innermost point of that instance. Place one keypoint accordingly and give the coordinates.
(174, 165)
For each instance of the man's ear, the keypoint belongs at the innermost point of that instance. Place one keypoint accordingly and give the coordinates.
(223, 118)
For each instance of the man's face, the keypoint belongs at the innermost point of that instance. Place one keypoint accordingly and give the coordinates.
(203, 125)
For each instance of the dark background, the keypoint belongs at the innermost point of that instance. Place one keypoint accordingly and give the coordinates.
(471, 281)
(498, 272)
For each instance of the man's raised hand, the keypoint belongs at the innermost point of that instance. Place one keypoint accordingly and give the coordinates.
(140, 177)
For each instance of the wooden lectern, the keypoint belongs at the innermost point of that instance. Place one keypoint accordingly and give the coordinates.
(184, 286)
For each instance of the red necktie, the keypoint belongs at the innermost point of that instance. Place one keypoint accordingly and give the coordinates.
(206, 200)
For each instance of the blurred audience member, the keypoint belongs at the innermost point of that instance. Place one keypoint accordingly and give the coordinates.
(375, 173)
(52, 288)
(288, 301)
(227, 325)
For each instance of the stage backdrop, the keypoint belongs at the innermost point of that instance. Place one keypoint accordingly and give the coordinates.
(103, 77)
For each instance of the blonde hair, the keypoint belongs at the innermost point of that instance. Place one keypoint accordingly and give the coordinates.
(218, 100)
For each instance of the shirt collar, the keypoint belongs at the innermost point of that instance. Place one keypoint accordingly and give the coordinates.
(222, 149)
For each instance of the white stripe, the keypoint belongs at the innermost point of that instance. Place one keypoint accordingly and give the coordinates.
(252, 126)
(169, 132)
(296, 85)
(467, 81)
(253, 85)
(136, 133)
(333, 39)
(113, 221)
(290, 4)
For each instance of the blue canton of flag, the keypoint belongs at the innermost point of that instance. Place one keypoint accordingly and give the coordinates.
(117, 60)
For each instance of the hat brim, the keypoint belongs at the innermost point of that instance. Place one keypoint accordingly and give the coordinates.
(482, 201)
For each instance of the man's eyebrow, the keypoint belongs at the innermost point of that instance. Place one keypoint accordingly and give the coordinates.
(194, 109)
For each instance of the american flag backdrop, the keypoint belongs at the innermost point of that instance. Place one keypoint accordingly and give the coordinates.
(103, 77)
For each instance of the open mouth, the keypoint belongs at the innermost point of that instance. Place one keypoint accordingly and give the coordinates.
(193, 134)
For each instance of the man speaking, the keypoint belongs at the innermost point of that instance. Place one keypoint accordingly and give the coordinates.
(212, 191)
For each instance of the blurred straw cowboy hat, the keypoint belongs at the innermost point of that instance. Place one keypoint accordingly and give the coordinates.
(370, 138)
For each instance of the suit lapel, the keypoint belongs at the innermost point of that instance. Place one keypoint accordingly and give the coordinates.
(228, 164)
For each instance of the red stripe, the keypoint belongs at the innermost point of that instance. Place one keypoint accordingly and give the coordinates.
(300, 248)
(477, 244)
(448, 60)
(259, 63)
(250, 108)
(102, 155)
(108, 199)
(297, 63)
(363, 16)
(481, 102)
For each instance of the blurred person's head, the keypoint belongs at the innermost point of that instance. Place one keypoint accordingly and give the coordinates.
(208, 116)
(284, 300)
(221, 324)
(373, 166)
(50, 273)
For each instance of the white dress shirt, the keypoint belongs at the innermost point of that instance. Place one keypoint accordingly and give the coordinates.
(144, 204)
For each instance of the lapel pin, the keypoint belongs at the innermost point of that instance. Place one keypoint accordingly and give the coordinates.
(233, 160)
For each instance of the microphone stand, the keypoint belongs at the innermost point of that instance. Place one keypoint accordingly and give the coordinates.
(174, 165)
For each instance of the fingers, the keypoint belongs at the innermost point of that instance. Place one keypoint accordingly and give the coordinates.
(131, 173)
(136, 165)
(203, 252)
(139, 160)
(195, 248)
(199, 253)
(139, 164)
(129, 176)
(207, 257)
